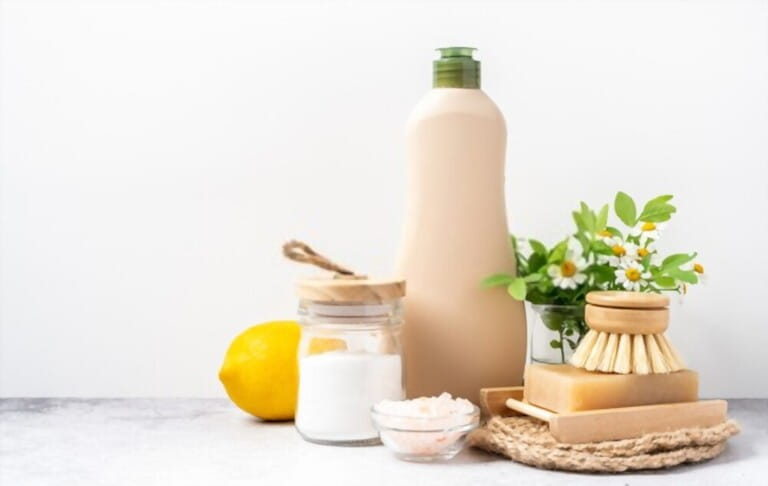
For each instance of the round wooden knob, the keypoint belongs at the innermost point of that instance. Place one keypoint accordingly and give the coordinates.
(626, 321)
(628, 300)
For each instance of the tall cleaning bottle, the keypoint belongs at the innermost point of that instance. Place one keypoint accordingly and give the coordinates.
(458, 336)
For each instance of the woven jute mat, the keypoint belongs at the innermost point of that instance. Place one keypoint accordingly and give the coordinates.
(527, 440)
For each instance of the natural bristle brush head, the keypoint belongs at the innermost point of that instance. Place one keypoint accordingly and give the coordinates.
(626, 335)
(639, 356)
(609, 355)
(596, 356)
(656, 359)
(623, 362)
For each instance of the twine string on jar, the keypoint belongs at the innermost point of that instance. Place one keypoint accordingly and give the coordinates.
(299, 251)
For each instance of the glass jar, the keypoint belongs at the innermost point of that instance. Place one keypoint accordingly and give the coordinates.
(350, 357)
(555, 331)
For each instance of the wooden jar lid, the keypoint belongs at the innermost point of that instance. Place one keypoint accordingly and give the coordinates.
(626, 321)
(350, 289)
(628, 300)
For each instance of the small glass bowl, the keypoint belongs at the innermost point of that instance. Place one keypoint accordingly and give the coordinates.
(424, 439)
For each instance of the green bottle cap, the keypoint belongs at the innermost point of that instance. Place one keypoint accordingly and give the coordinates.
(456, 68)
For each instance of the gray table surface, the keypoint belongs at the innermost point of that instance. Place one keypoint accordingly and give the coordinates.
(210, 442)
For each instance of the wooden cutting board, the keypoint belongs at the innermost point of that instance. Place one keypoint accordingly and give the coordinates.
(606, 424)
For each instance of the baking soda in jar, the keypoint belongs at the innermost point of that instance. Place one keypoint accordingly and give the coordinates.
(338, 389)
(350, 357)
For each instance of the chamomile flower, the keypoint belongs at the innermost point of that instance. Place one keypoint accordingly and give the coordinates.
(649, 248)
(621, 251)
(631, 276)
(645, 250)
(698, 268)
(568, 274)
(604, 236)
(647, 230)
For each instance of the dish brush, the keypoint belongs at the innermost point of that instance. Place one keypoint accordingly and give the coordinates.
(627, 335)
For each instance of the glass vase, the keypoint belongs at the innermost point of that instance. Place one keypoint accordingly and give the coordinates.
(555, 331)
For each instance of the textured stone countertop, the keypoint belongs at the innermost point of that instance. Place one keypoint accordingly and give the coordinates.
(210, 442)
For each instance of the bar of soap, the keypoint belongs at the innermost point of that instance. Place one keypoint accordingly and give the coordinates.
(565, 388)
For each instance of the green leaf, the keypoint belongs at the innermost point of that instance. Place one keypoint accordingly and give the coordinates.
(538, 247)
(601, 248)
(555, 344)
(625, 209)
(584, 241)
(646, 261)
(534, 277)
(553, 321)
(665, 282)
(572, 344)
(497, 280)
(536, 262)
(603, 273)
(687, 276)
(657, 214)
(579, 221)
(588, 216)
(674, 261)
(536, 297)
(544, 287)
(602, 218)
(657, 201)
(517, 289)
(614, 231)
(558, 252)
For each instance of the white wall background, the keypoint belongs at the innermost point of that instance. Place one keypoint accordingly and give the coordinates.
(155, 156)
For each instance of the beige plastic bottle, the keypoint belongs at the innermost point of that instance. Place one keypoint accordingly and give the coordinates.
(458, 336)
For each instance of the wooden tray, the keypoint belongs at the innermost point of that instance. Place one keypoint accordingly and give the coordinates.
(606, 424)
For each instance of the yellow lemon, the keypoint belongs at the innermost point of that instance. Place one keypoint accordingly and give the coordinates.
(260, 370)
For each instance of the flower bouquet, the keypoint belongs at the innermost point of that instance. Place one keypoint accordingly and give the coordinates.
(597, 256)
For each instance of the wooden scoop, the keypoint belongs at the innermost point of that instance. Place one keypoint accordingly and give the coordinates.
(606, 424)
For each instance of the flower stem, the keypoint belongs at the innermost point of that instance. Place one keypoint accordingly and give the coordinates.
(562, 345)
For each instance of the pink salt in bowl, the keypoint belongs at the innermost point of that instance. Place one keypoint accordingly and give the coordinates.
(424, 439)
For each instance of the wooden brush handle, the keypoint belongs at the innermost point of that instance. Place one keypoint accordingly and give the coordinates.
(626, 321)
(627, 300)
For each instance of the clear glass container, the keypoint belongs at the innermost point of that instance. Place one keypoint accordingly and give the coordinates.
(555, 331)
(350, 358)
(424, 439)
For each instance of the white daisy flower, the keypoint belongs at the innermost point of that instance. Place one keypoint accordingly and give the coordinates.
(698, 268)
(631, 276)
(648, 248)
(647, 230)
(568, 275)
(622, 251)
(604, 236)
